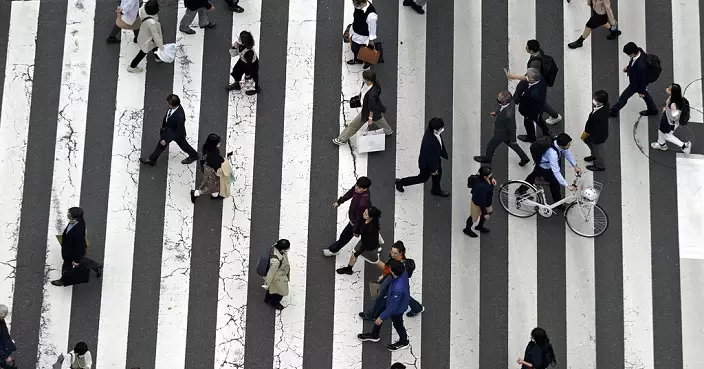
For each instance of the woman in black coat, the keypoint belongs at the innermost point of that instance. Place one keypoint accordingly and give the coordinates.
(372, 110)
(7, 346)
(539, 353)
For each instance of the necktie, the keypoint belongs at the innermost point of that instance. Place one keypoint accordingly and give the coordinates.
(169, 114)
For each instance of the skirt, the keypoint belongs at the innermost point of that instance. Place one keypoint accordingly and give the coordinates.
(210, 182)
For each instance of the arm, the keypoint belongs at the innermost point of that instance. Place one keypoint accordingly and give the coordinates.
(641, 77)
(570, 158)
(371, 21)
(88, 359)
(610, 13)
(555, 167)
(273, 267)
(392, 304)
(346, 196)
(673, 113)
(155, 29)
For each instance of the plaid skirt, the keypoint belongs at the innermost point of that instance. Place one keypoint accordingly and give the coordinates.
(210, 182)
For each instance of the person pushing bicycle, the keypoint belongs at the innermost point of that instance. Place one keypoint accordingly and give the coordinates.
(546, 153)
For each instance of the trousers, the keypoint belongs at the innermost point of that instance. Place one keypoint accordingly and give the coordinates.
(345, 238)
(397, 321)
(529, 124)
(627, 93)
(422, 177)
(140, 55)
(190, 15)
(356, 124)
(116, 31)
(380, 301)
(498, 140)
(597, 151)
(548, 176)
(181, 142)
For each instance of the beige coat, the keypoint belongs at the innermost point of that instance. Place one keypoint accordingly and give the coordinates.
(224, 174)
(279, 273)
(149, 32)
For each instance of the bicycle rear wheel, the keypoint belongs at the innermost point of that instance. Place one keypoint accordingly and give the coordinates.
(512, 195)
(586, 220)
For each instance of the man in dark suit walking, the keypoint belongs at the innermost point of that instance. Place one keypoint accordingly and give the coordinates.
(637, 71)
(596, 130)
(431, 151)
(531, 105)
(173, 128)
(73, 247)
(504, 130)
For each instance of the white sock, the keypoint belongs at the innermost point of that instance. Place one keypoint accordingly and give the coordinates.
(196, 193)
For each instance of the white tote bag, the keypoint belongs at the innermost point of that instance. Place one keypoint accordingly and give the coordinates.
(168, 54)
(371, 141)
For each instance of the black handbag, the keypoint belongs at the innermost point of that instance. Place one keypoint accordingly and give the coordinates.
(77, 275)
(356, 101)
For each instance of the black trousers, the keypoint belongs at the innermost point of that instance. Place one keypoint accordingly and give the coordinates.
(241, 68)
(627, 93)
(140, 55)
(273, 298)
(422, 177)
(548, 176)
(355, 49)
(529, 124)
(345, 237)
(181, 142)
(397, 321)
(497, 140)
(86, 262)
(116, 31)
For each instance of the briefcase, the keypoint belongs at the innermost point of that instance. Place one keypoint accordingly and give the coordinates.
(77, 275)
(370, 55)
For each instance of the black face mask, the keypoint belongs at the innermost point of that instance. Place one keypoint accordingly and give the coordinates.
(498, 102)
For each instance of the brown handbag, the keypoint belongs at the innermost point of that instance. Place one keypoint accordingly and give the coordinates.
(122, 25)
(368, 55)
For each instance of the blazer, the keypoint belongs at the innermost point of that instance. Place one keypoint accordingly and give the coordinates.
(430, 152)
(372, 103)
(150, 35)
(638, 73)
(73, 244)
(597, 125)
(505, 124)
(175, 126)
(532, 101)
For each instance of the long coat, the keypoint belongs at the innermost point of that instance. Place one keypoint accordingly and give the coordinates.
(150, 35)
(279, 273)
(73, 242)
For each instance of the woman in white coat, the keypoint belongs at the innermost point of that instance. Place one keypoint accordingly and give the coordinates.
(150, 38)
(277, 278)
(127, 18)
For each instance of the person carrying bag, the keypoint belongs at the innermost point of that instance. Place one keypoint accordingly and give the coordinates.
(372, 110)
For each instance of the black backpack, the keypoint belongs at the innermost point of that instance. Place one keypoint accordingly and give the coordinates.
(653, 67)
(548, 68)
(263, 263)
(684, 112)
(472, 180)
(539, 147)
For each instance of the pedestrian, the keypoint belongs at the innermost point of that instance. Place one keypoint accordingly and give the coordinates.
(210, 163)
(79, 358)
(637, 71)
(247, 63)
(539, 352)
(359, 194)
(504, 130)
(279, 274)
(7, 345)
(416, 5)
(549, 166)
(362, 31)
(531, 106)
(397, 299)
(671, 117)
(398, 253)
(602, 16)
(480, 204)
(372, 110)
(193, 7)
(397, 365)
(596, 131)
(74, 248)
(432, 150)
(234, 6)
(150, 37)
(369, 238)
(173, 128)
(537, 61)
(127, 18)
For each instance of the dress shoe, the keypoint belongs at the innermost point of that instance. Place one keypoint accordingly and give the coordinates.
(209, 25)
(399, 188)
(57, 282)
(440, 193)
(482, 159)
(482, 229)
(469, 232)
(193, 196)
(646, 113)
(146, 161)
(523, 162)
(237, 9)
(188, 160)
(589, 158)
(594, 168)
(253, 92)
(112, 40)
(526, 138)
(418, 9)
(99, 271)
(188, 31)
(345, 270)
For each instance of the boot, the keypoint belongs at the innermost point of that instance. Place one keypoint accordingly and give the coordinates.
(468, 228)
(234, 86)
(576, 44)
(480, 227)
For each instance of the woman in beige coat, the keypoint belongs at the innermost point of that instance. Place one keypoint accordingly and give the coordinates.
(150, 37)
(277, 278)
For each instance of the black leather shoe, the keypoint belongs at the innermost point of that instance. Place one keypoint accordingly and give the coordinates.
(523, 162)
(99, 271)
(58, 283)
(188, 160)
(440, 193)
(646, 113)
(399, 188)
(594, 168)
(469, 232)
(146, 161)
(482, 159)
(237, 9)
(589, 158)
(525, 138)
(482, 229)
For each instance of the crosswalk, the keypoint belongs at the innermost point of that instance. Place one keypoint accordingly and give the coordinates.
(179, 288)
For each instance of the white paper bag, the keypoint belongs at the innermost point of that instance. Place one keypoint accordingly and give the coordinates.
(371, 141)
(168, 54)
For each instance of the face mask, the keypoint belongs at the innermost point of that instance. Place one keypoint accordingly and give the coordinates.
(439, 131)
(595, 104)
(498, 102)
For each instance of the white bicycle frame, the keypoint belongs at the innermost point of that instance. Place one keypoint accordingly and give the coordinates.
(549, 209)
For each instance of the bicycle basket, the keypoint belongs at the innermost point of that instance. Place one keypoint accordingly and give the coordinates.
(589, 192)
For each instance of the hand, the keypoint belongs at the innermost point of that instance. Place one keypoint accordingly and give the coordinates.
(335, 205)
(578, 170)
(572, 188)
(75, 264)
(370, 121)
(641, 95)
(380, 278)
(493, 181)
(162, 143)
(512, 76)
(625, 70)
(493, 114)
(371, 43)
(435, 173)
(486, 216)
(9, 360)
(378, 321)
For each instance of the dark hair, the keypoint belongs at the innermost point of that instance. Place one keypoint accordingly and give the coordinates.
(676, 95)
(173, 100)
(80, 349)
(485, 170)
(630, 48)
(563, 139)
(397, 267)
(211, 143)
(374, 214)
(247, 39)
(540, 336)
(435, 124)
(602, 97)
(505, 97)
(358, 2)
(398, 366)
(533, 45)
(75, 213)
(151, 7)
(399, 246)
(282, 244)
(364, 182)
(370, 75)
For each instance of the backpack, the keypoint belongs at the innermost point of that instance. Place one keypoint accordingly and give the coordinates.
(548, 69)
(653, 67)
(684, 112)
(539, 147)
(263, 262)
(472, 180)
(410, 265)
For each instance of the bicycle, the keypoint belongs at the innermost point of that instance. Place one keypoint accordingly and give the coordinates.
(583, 215)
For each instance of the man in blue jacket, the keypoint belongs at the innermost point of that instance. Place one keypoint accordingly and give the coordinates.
(432, 150)
(397, 298)
(637, 70)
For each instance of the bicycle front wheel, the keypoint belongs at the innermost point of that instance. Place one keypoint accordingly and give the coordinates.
(586, 220)
(513, 195)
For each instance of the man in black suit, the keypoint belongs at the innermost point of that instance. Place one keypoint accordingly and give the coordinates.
(173, 128)
(531, 104)
(596, 131)
(431, 151)
(637, 71)
(73, 246)
(504, 130)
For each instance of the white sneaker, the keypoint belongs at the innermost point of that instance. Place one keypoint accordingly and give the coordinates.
(135, 69)
(657, 146)
(687, 147)
(327, 252)
(551, 121)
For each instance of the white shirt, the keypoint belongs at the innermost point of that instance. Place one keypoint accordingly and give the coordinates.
(371, 21)
(130, 10)
(597, 108)
(437, 135)
(364, 91)
(503, 107)
(168, 113)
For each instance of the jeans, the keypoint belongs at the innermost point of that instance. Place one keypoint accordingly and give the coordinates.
(627, 93)
(380, 301)
(422, 177)
(397, 320)
(345, 238)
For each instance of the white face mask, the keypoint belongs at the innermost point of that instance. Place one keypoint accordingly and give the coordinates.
(439, 131)
(595, 104)
(360, 6)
